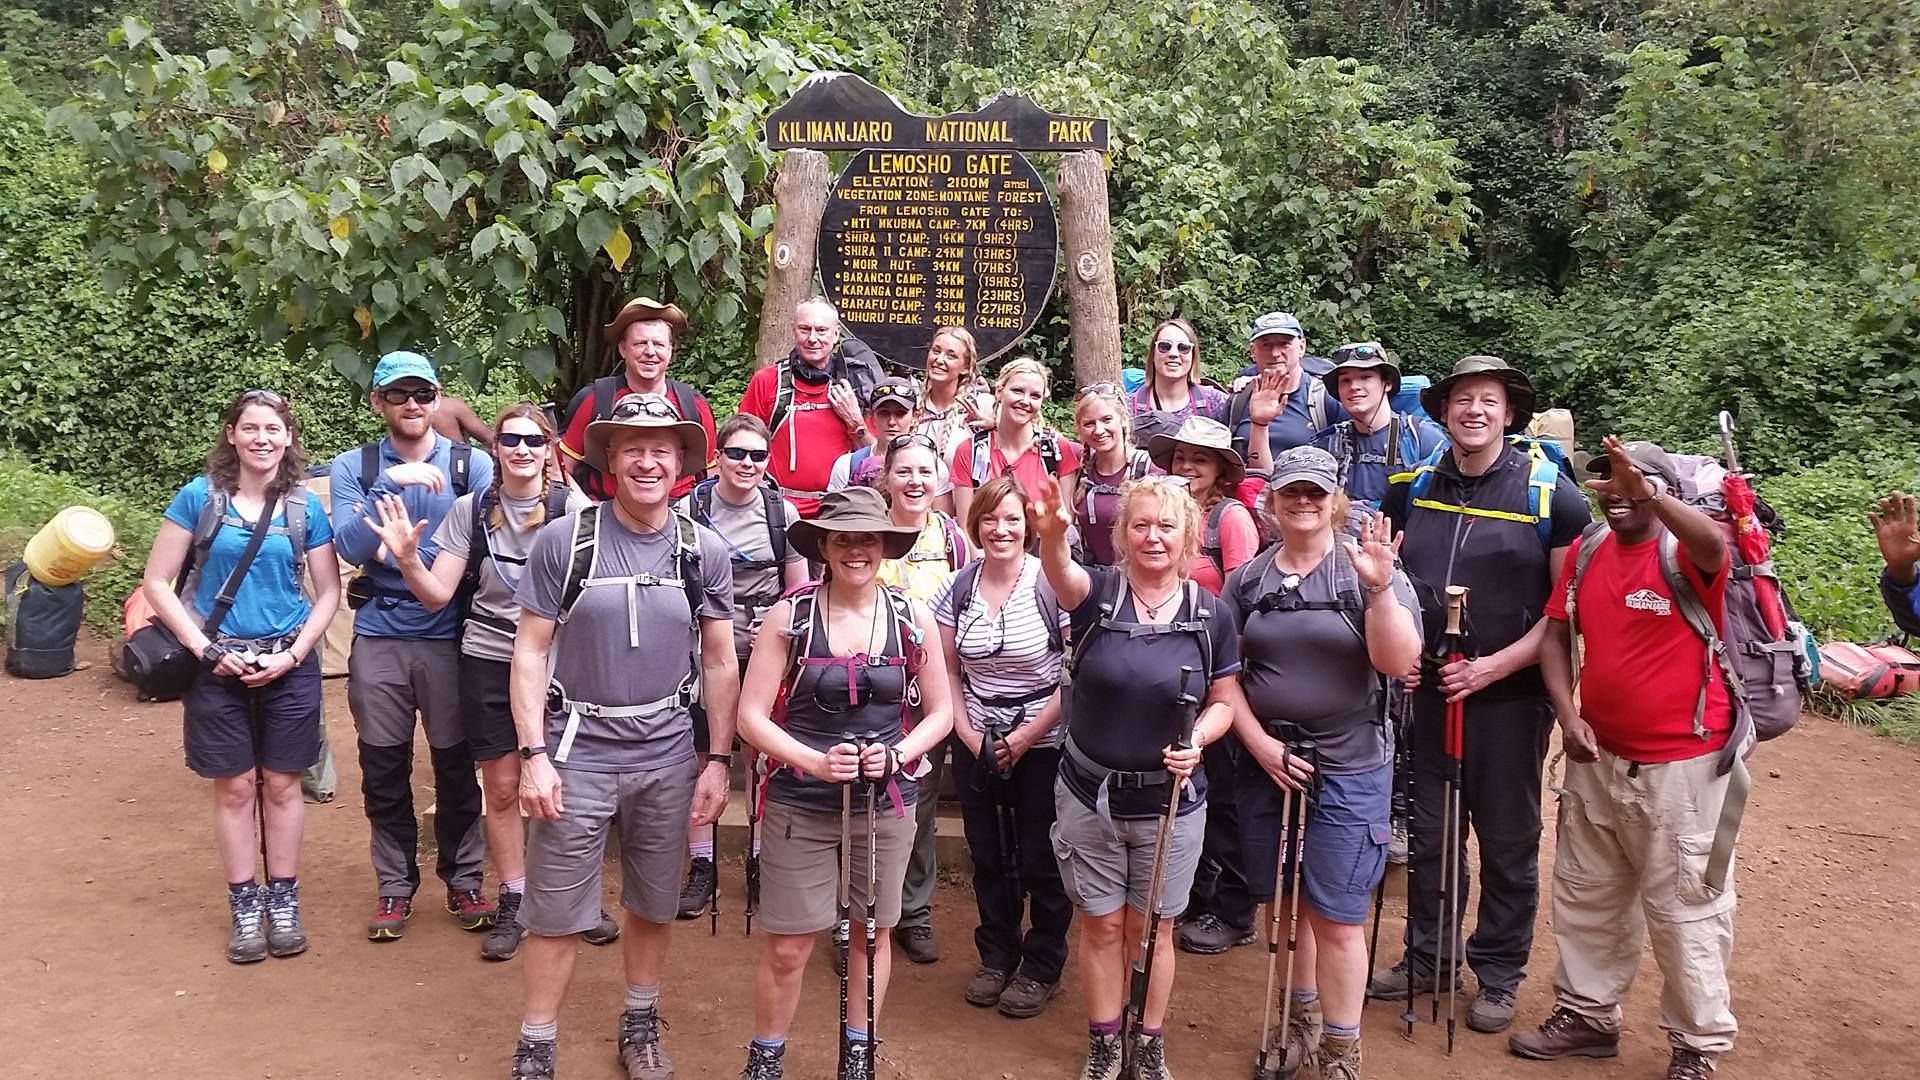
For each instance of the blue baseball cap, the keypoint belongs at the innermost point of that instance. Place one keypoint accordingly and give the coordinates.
(403, 365)
(1275, 322)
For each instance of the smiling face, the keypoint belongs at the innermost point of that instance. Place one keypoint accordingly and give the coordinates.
(644, 465)
(853, 557)
(745, 473)
(816, 330)
(1302, 509)
(410, 419)
(1278, 352)
(522, 461)
(911, 478)
(1157, 530)
(1100, 423)
(1200, 467)
(1002, 528)
(1020, 398)
(259, 439)
(1362, 391)
(1477, 413)
(1174, 353)
(647, 349)
(947, 360)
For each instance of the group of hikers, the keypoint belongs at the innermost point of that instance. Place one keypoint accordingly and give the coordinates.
(1187, 661)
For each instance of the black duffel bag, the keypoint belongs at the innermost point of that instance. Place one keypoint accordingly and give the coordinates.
(42, 623)
(160, 668)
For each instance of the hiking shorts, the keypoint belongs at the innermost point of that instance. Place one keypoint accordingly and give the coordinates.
(218, 725)
(486, 710)
(564, 857)
(1108, 863)
(1346, 842)
(800, 865)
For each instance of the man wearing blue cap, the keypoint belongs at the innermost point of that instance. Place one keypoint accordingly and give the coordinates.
(405, 658)
(1282, 400)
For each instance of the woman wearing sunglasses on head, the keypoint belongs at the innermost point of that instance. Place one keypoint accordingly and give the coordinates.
(254, 707)
(1003, 633)
(1019, 442)
(483, 543)
(1173, 383)
(1105, 428)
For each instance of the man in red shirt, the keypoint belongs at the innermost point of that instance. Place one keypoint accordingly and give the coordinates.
(1647, 773)
(644, 335)
(811, 403)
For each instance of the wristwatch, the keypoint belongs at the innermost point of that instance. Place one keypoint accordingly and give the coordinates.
(527, 752)
(724, 759)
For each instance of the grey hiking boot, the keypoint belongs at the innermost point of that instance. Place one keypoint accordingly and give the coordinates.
(1207, 935)
(285, 935)
(919, 944)
(1339, 1057)
(1026, 997)
(859, 1060)
(1564, 1034)
(986, 986)
(503, 941)
(697, 894)
(533, 1060)
(1392, 983)
(606, 933)
(1103, 1058)
(1689, 1065)
(640, 1050)
(1491, 1011)
(1305, 1028)
(764, 1063)
(1397, 842)
(1150, 1058)
(248, 941)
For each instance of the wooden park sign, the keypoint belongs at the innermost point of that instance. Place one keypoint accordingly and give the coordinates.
(937, 221)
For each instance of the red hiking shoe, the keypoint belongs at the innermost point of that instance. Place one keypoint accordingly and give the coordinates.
(390, 915)
(470, 909)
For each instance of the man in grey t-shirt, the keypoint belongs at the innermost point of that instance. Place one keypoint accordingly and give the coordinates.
(621, 621)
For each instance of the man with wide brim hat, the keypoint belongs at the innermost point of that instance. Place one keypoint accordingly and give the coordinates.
(853, 510)
(644, 412)
(1499, 519)
(643, 336)
(1374, 443)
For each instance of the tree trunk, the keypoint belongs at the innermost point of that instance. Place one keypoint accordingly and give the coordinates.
(1093, 308)
(799, 196)
(596, 300)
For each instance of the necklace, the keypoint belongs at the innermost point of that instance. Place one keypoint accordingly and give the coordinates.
(1153, 610)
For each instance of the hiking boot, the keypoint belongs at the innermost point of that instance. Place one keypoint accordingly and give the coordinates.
(765, 1063)
(1150, 1058)
(1392, 983)
(640, 1046)
(1564, 1034)
(1306, 1027)
(1491, 1011)
(390, 915)
(1689, 1065)
(1339, 1057)
(985, 988)
(533, 1060)
(248, 941)
(1103, 1058)
(697, 894)
(606, 933)
(918, 943)
(1397, 842)
(503, 941)
(859, 1060)
(285, 935)
(1025, 997)
(1207, 935)
(469, 909)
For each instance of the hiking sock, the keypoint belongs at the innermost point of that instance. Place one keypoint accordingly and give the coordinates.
(1152, 1033)
(235, 888)
(283, 882)
(772, 1046)
(517, 885)
(701, 849)
(644, 999)
(855, 1035)
(1104, 1027)
(1340, 1031)
(547, 1032)
(1305, 997)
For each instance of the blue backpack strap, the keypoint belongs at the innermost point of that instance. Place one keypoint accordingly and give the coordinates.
(1543, 475)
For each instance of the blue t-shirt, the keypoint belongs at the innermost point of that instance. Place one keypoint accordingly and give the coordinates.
(1366, 471)
(270, 602)
(393, 612)
(1294, 426)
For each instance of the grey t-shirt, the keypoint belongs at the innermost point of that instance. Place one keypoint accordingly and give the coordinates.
(507, 547)
(743, 533)
(1309, 666)
(615, 655)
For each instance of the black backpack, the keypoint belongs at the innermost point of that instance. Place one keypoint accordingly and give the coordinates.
(700, 503)
(478, 550)
(601, 394)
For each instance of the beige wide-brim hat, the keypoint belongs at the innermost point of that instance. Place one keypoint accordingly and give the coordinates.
(1520, 392)
(646, 412)
(1207, 435)
(642, 308)
(853, 510)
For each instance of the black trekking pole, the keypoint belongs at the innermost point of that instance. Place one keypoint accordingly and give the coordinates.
(1005, 818)
(1186, 712)
(753, 844)
(257, 722)
(713, 909)
(1395, 693)
(843, 929)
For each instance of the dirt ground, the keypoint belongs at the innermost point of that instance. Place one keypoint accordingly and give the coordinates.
(112, 925)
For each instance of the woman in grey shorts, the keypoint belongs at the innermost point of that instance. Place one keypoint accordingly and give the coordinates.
(1136, 626)
(843, 660)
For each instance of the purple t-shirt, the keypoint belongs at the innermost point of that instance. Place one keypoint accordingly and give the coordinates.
(1202, 400)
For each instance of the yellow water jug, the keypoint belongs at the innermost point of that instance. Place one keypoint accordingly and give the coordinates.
(68, 546)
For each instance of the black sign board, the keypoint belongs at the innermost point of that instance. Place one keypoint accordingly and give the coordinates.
(833, 110)
(915, 240)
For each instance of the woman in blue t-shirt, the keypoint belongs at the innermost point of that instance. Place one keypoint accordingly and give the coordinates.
(254, 710)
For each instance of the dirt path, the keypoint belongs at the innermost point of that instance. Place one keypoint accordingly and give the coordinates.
(112, 924)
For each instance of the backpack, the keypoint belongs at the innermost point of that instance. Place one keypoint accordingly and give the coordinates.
(852, 360)
(1210, 535)
(1319, 416)
(700, 504)
(966, 584)
(602, 394)
(1046, 442)
(362, 590)
(1546, 463)
(953, 549)
(1198, 605)
(1349, 600)
(214, 511)
(478, 552)
(1403, 447)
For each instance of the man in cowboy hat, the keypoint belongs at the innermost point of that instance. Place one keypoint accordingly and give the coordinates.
(644, 335)
(1499, 518)
(607, 738)
(1373, 443)
(811, 402)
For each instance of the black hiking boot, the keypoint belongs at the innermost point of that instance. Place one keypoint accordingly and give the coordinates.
(985, 987)
(285, 935)
(1207, 935)
(1392, 983)
(247, 943)
(1025, 998)
(859, 1059)
(640, 1051)
(1689, 1065)
(764, 1063)
(919, 945)
(503, 941)
(533, 1060)
(697, 894)
(606, 933)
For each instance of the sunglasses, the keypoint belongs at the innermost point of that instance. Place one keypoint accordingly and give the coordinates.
(742, 453)
(1165, 346)
(636, 406)
(393, 395)
(1364, 351)
(266, 397)
(1100, 389)
(511, 439)
(911, 438)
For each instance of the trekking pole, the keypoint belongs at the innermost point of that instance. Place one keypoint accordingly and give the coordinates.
(1450, 872)
(1726, 441)
(257, 722)
(1186, 711)
(1408, 1017)
(713, 911)
(1005, 818)
(873, 931)
(753, 845)
(843, 929)
(1288, 879)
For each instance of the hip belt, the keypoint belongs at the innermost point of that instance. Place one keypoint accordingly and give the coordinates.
(558, 703)
(261, 646)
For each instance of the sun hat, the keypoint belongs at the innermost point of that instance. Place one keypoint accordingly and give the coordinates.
(1520, 393)
(403, 365)
(645, 412)
(1652, 459)
(852, 510)
(641, 308)
(1207, 435)
(1362, 356)
(1308, 463)
(1275, 322)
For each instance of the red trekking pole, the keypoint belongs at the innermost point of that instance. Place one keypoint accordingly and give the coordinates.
(1447, 956)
